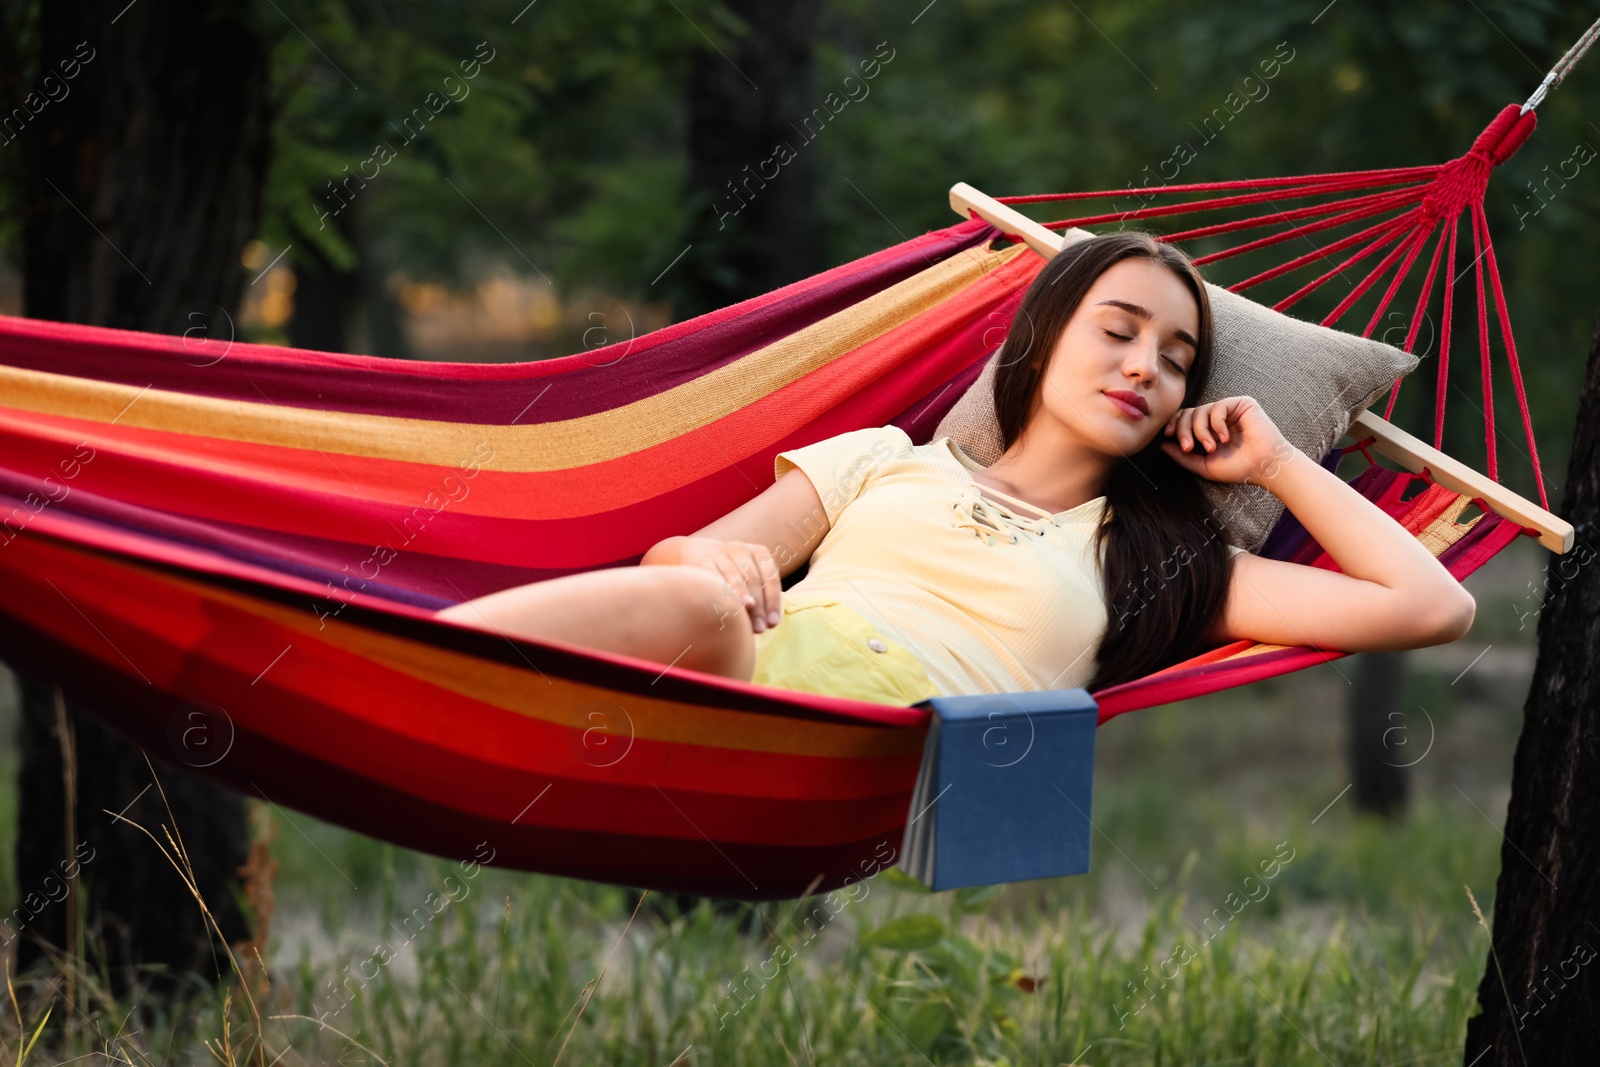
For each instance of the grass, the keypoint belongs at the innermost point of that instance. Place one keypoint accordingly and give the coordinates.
(1239, 912)
(898, 976)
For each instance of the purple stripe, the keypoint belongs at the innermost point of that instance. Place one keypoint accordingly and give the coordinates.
(314, 559)
(1486, 527)
(1287, 535)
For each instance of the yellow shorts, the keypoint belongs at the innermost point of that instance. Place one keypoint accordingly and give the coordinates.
(821, 646)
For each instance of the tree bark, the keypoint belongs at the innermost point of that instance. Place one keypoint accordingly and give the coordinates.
(1540, 993)
(140, 189)
(753, 225)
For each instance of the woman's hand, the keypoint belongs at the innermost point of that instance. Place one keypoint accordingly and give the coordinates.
(747, 568)
(1228, 440)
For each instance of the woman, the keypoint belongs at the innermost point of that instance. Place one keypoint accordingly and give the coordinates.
(1086, 555)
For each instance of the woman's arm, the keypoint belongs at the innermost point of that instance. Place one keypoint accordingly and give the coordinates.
(755, 545)
(1392, 592)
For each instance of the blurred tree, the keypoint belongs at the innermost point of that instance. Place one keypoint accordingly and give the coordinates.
(752, 174)
(138, 186)
(326, 295)
(438, 144)
(1374, 719)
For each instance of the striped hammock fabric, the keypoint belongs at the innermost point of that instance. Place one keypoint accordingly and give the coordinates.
(234, 555)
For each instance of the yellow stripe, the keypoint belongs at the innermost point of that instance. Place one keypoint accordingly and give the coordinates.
(1444, 531)
(1254, 650)
(549, 446)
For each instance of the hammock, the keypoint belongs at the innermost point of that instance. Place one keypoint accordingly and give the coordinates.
(234, 557)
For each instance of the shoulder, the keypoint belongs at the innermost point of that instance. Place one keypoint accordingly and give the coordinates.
(882, 442)
(883, 438)
(843, 465)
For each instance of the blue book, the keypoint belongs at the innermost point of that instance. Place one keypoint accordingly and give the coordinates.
(1004, 790)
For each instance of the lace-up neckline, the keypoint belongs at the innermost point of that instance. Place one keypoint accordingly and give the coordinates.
(994, 520)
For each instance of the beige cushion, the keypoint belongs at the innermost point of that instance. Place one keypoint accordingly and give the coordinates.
(1310, 379)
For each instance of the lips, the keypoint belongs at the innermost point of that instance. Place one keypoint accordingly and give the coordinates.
(1132, 403)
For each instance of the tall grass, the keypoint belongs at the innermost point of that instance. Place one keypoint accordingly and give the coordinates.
(896, 976)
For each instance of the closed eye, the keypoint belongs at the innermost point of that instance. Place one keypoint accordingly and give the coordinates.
(1126, 337)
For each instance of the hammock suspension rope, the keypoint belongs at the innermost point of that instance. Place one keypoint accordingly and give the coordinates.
(1424, 200)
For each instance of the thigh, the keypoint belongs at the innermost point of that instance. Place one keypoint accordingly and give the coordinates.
(666, 614)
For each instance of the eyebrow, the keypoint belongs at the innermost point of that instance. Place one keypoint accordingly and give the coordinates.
(1144, 313)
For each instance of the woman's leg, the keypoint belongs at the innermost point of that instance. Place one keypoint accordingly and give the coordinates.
(685, 616)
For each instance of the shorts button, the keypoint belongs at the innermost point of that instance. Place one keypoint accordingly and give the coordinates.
(877, 645)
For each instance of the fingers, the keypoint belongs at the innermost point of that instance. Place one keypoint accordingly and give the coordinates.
(771, 585)
(1192, 429)
(1219, 419)
(752, 575)
(1206, 425)
(1181, 428)
(733, 581)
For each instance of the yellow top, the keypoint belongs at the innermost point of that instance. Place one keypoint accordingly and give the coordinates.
(991, 595)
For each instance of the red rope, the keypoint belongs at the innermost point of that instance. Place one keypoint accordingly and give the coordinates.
(1418, 239)
(1406, 239)
(1385, 176)
(1511, 356)
(1430, 198)
(1483, 350)
(1444, 337)
(1418, 315)
(1302, 231)
(1387, 232)
(1362, 445)
(1217, 204)
(1293, 215)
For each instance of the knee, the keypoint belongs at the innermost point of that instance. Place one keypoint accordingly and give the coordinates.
(708, 598)
(715, 621)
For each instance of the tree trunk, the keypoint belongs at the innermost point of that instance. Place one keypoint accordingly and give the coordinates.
(140, 189)
(753, 226)
(1540, 993)
(335, 306)
(326, 298)
(1378, 732)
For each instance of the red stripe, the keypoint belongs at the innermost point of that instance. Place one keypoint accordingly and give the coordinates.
(297, 779)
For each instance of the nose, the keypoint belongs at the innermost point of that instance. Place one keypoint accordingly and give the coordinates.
(1142, 362)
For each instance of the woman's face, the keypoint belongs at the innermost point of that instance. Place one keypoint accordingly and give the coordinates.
(1132, 339)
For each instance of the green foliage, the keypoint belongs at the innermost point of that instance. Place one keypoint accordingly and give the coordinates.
(574, 103)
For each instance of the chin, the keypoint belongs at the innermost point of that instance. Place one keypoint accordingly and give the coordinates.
(1123, 427)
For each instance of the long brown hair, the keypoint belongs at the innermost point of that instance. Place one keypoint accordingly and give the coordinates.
(1165, 572)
